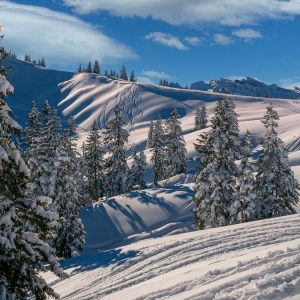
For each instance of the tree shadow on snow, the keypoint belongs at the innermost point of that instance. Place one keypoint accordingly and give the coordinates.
(99, 259)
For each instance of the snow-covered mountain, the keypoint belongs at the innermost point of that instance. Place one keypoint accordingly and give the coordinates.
(246, 87)
(143, 245)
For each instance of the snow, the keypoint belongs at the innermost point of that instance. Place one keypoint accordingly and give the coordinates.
(259, 260)
(143, 245)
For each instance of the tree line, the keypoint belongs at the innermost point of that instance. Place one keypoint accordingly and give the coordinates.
(96, 69)
(231, 186)
(40, 62)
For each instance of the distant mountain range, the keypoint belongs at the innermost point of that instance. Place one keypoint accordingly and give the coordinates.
(247, 87)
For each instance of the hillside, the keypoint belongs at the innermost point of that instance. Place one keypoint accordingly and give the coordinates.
(258, 260)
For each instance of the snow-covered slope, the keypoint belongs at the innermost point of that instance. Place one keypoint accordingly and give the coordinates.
(257, 260)
(247, 87)
(33, 83)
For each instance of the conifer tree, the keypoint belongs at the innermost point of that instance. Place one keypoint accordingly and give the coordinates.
(25, 222)
(43, 62)
(123, 73)
(106, 73)
(33, 131)
(215, 187)
(27, 58)
(175, 150)
(157, 150)
(70, 238)
(136, 179)
(93, 165)
(96, 68)
(132, 77)
(79, 70)
(201, 118)
(150, 135)
(277, 188)
(89, 67)
(115, 138)
(244, 207)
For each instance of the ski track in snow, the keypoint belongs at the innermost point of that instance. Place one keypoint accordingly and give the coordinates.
(258, 260)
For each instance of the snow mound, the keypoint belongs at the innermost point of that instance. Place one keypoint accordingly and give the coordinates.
(149, 213)
(257, 260)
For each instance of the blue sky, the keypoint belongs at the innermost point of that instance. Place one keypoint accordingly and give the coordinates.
(182, 40)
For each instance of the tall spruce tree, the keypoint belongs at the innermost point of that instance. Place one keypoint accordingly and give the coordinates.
(136, 179)
(244, 207)
(201, 118)
(89, 68)
(123, 73)
(215, 188)
(277, 188)
(175, 150)
(70, 239)
(157, 151)
(115, 138)
(132, 77)
(96, 68)
(93, 165)
(150, 135)
(25, 222)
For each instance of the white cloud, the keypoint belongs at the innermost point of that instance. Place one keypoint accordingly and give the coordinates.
(193, 40)
(62, 39)
(155, 74)
(167, 39)
(177, 12)
(222, 39)
(152, 76)
(247, 34)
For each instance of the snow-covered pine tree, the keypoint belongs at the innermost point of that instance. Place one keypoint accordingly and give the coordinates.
(277, 188)
(25, 223)
(123, 73)
(132, 77)
(41, 153)
(115, 138)
(244, 207)
(157, 151)
(150, 135)
(201, 117)
(33, 131)
(175, 150)
(89, 67)
(136, 179)
(70, 238)
(93, 166)
(96, 68)
(215, 185)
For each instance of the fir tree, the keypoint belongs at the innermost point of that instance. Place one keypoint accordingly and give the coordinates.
(201, 118)
(79, 70)
(106, 73)
(70, 239)
(123, 73)
(27, 58)
(158, 154)
(43, 63)
(89, 67)
(175, 151)
(150, 135)
(277, 188)
(132, 77)
(115, 138)
(96, 68)
(25, 223)
(136, 173)
(244, 207)
(33, 131)
(93, 165)
(215, 185)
